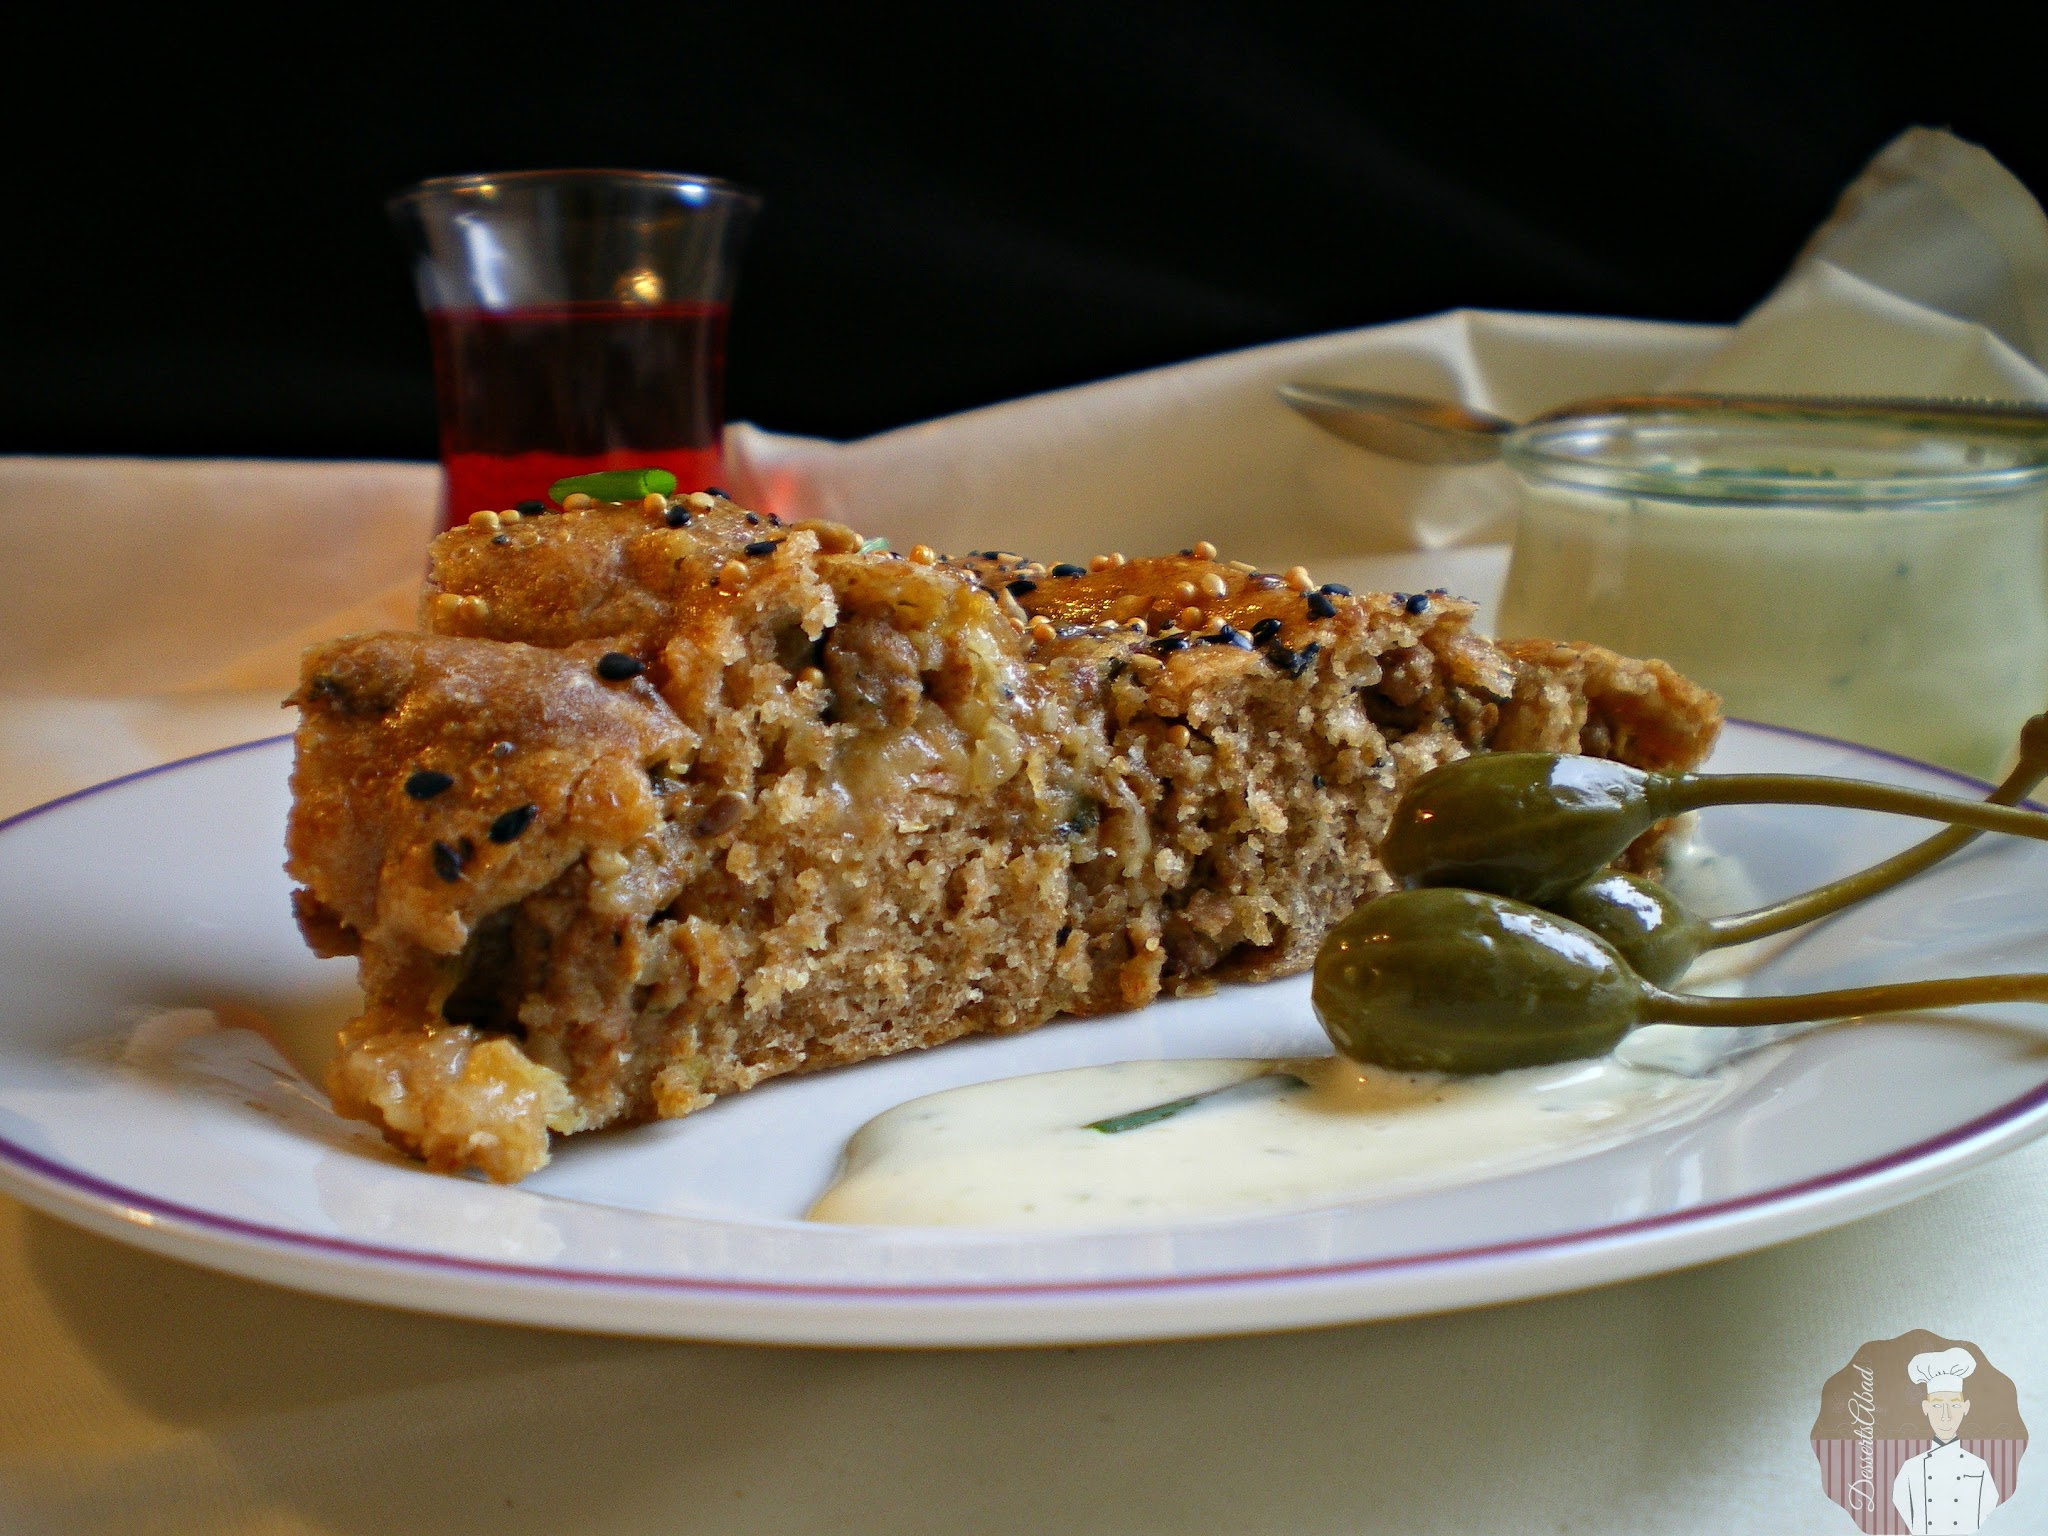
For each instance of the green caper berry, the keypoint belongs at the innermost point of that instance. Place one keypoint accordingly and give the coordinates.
(1531, 825)
(1644, 923)
(1443, 980)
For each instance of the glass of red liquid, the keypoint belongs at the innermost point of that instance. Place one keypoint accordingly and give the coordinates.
(578, 324)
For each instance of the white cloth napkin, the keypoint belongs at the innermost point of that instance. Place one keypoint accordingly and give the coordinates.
(1929, 279)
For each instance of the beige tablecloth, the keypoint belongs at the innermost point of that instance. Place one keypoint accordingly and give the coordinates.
(151, 609)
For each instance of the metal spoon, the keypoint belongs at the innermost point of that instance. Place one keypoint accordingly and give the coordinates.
(1422, 431)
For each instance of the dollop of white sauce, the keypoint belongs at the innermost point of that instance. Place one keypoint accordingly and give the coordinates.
(1022, 1151)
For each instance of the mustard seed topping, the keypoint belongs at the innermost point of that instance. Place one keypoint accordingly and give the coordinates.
(1205, 550)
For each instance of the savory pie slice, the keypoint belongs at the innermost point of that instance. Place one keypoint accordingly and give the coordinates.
(671, 798)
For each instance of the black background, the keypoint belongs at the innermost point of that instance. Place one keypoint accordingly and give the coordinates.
(964, 202)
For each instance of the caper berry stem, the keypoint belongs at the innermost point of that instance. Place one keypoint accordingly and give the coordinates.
(1825, 900)
(1661, 1007)
(1690, 792)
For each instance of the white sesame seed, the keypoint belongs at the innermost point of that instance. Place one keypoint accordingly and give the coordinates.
(1214, 585)
(1299, 579)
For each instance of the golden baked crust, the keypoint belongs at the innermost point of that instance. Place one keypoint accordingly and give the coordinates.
(725, 799)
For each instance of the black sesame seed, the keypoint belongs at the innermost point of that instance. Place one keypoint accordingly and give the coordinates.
(1264, 581)
(1229, 636)
(717, 490)
(1064, 569)
(1320, 607)
(678, 516)
(501, 538)
(1290, 662)
(1166, 645)
(529, 508)
(1265, 630)
(1335, 589)
(774, 521)
(1021, 587)
(1189, 553)
(1317, 780)
(760, 547)
(617, 666)
(1059, 939)
(448, 862)
(754, 518)
(1419, 603)
(427, 783)
(513, 822)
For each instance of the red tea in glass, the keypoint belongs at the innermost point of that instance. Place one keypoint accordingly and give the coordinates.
(528, 396)
(578, 324)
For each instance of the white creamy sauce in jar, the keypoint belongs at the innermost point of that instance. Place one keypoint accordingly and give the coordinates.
(1027, 1151)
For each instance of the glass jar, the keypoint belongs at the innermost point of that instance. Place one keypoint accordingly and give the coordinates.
(1874, 578)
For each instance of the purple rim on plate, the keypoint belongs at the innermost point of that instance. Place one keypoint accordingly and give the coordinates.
(149, 1210)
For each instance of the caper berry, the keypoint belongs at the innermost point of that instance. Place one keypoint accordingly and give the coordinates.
(1531, 825)
(1443, 980)
(1646, 925)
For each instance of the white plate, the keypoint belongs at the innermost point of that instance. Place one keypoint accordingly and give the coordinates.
(165, 889)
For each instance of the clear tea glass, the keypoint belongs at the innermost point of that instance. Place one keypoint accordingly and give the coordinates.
(578, 323)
